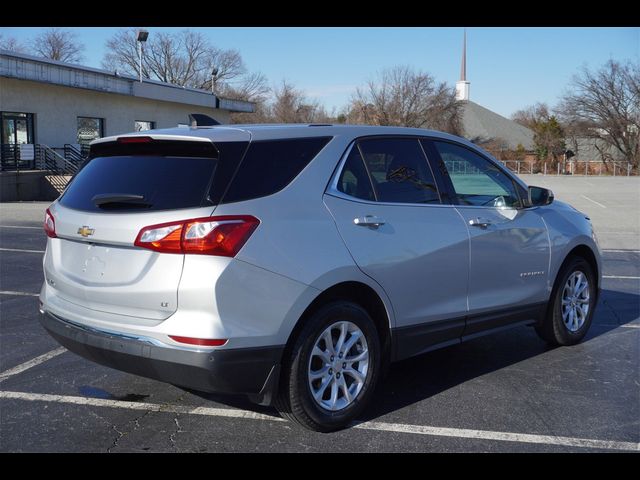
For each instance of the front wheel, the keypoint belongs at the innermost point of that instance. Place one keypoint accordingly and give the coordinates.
(572, 304)
(332, 369)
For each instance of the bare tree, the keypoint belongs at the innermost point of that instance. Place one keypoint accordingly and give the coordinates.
(548, 133)
(12, 44)
(287, 104)
(604, 106)
(401, 96)
(291, 106)
(58, 44)
(187, 59)
(529, 116)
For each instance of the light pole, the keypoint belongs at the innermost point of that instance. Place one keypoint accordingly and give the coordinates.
(142, 37)
(214, 77)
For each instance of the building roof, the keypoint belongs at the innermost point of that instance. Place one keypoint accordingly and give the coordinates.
(482, 125)
(591, 150)
(36, 69)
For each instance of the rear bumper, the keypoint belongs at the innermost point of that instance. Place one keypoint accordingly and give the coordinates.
(250, 371)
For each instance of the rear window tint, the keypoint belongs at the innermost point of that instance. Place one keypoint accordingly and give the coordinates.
(165, 182)
(269, 166)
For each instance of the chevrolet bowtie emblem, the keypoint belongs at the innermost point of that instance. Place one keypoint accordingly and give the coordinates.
(85, 231)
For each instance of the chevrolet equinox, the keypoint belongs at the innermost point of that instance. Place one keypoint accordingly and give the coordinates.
(292, 263)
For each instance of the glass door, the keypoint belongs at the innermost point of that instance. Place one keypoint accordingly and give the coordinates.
(17, 129)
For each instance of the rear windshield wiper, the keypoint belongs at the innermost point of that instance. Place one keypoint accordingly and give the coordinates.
(105, 199)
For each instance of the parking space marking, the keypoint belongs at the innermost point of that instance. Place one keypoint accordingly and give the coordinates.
(500, 436)
(375, 426)
(617, 325)
(20, 250)
(20, 226)
(23, 294)
(621, 277)
(152, 407)
(31, 363)
(593, 201)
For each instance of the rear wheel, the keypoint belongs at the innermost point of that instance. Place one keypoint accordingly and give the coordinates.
(332, 369)
(571, 306)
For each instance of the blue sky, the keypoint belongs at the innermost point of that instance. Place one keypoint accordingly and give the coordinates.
(509, 68)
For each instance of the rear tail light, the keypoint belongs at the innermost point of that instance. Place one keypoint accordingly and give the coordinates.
(222, 236)
(49, 224)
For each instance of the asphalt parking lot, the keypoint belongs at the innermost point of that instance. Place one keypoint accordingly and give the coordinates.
(503, 393)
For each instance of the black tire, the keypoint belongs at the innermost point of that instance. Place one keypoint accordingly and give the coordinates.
(552, 328)
(295, 401)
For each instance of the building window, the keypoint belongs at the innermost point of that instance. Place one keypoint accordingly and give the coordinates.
(89, 129)
(142, 125)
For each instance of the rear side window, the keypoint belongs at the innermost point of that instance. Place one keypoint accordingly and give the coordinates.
(269, 166)
(354, 179)
(399, 170)
(146, 182)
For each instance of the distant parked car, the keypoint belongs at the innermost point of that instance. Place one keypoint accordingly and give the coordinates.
(290, 263)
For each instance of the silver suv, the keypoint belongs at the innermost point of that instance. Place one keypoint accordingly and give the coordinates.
(292, 263)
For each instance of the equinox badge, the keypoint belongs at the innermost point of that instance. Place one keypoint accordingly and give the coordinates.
(85, 231)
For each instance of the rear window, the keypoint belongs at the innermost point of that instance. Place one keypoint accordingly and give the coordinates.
(162, 182)
(269, 166)
(165, 175)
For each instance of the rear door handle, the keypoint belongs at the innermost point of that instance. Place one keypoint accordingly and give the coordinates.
(369, 221)
(479, 222)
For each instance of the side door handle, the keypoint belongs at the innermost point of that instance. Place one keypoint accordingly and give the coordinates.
(368, 221)
(479, 222)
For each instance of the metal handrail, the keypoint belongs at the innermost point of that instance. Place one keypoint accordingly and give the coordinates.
(10, 159)
(54, 162)
(73, 154)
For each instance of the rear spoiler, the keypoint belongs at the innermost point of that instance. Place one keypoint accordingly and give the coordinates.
(147, 145)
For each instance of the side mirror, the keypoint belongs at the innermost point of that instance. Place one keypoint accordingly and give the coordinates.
(539, 196)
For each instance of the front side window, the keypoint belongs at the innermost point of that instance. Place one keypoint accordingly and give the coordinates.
(399, 170)
(89, 129)
(476, 180)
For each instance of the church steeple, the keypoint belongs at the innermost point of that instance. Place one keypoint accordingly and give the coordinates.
(462, 86)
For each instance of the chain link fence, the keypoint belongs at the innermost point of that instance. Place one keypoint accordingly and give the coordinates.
(594, 169)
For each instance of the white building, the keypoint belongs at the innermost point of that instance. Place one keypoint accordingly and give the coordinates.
(45, 102)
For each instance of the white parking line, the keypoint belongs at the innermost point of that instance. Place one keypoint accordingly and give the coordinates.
(500, 436)
(20, 250)
(375, 426)
(24, 294)
(622, 277)
(152, 407)
(20, 226)
(31, 363)
(593, 201)
(615, 325)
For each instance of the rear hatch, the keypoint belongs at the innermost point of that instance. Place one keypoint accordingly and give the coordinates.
(124, 187)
